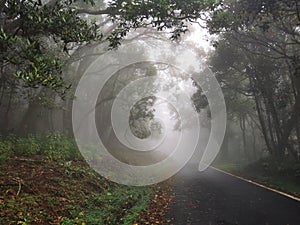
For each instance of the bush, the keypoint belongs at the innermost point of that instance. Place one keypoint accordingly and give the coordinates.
(6, 151)
(58, 147)
(28, 146)
(54, 147)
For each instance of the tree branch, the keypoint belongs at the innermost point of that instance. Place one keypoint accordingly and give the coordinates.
(107, 11)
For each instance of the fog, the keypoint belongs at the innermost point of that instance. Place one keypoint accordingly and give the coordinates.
(146, 98)
(149, 112)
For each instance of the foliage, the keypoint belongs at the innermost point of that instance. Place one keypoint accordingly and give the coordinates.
(155, 211)
(53, 146)
(28, 146)
(254, 15)
(283, 176)
(58, 147)
(199, 98)
(43, 192)
(35, 39)
(141, 115)
(6, 151)
(257, 61)
(173, 15)
(62, 189)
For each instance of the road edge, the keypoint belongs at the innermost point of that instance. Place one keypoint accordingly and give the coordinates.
(258, 184)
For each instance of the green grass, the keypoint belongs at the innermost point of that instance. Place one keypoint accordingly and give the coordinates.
(282, 183)
(230, 167)
(52, 146)
(44, 180)
(283, 175)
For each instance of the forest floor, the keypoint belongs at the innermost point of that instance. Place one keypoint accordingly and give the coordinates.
(283, 176)
(45, 180)
(38, 191)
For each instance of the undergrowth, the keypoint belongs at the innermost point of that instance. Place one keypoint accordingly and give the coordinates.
(52, 146)
(283, 175)
(44, 180)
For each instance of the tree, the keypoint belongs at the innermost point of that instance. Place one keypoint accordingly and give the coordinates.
(34, 41)
(34, 34)
(267, 36)
(228, 63)
(40, 38)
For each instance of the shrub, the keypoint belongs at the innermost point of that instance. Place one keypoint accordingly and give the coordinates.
(58, 147)
(27, 146)
(53, 146)
(6, 151)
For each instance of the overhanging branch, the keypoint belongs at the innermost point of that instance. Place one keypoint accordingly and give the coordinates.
(107, 11)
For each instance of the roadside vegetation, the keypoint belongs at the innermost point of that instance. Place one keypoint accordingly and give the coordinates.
(283, 176)
(44, 180)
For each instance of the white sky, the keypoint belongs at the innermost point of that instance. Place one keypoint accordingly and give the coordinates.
(200, 37)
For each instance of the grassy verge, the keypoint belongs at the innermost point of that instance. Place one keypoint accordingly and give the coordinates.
(44, 180)
(283, 176)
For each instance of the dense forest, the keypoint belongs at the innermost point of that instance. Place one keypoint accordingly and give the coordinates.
(47, 46)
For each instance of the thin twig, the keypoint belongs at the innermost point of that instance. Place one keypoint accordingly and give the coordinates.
(20, 185)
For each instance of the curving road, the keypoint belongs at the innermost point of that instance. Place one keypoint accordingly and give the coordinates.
(215, 198)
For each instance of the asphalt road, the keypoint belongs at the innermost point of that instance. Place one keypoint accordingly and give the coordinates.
(212, 197)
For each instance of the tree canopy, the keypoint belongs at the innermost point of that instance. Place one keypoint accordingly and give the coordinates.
(258, 59)
(257, 55)
(36, 37)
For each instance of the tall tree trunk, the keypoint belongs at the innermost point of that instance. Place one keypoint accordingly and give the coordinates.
(37, 117)
(225, 147)
(254, 150)
(244, 139)
(260, 114)
(67, 117)
(6, 119)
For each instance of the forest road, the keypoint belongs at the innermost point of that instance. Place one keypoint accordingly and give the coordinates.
(215, 198)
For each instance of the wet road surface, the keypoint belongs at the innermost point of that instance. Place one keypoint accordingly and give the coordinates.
(215, 198)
